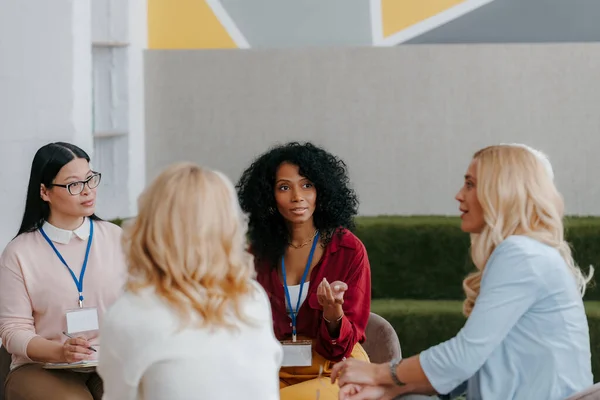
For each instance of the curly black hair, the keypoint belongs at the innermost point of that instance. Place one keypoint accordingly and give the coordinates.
(336, 206)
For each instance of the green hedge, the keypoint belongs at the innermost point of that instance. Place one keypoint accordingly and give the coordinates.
(426, 258)
(421, 324)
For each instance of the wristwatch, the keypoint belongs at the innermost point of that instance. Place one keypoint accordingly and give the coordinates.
(393, 364)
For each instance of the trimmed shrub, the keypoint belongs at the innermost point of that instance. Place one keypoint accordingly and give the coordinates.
(421, 324)
(426, 258)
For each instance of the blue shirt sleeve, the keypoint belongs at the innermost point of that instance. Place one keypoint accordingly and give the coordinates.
(509, 287)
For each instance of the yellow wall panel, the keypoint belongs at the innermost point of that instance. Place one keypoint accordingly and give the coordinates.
(185, 24)
(400, 14)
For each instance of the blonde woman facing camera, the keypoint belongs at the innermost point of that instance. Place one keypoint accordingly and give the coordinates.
(192, 323)
(526, 336)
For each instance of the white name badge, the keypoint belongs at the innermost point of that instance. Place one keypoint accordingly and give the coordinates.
(297, 354)
(82, 320)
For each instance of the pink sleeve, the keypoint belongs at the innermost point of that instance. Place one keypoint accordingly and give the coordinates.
(16, 315)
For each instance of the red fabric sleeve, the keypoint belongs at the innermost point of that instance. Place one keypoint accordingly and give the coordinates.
(357, 308)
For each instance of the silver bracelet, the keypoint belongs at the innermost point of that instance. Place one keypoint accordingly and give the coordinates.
(393, 365)
(337, 320)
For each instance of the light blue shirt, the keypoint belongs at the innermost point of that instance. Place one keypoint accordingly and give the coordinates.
(527, 337)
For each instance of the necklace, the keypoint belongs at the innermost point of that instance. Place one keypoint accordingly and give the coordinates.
(305, 242)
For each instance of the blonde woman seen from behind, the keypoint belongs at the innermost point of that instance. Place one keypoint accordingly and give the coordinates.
(192, 323)
(526, 336)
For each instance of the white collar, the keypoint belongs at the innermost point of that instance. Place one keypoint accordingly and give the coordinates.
(63, 236)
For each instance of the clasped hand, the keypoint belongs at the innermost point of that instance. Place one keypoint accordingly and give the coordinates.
(358, 380)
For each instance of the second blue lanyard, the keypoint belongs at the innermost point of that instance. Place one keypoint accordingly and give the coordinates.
(294, 313)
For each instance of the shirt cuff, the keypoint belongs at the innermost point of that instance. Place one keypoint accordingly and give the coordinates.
(338, 347)
(431, 371)
(437, 375)
(18, 342)
(344, 326)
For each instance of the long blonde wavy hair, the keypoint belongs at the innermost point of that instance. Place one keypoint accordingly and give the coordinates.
(516, 191)
(188, 243)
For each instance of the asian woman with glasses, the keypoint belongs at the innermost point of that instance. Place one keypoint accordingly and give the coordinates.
(59, 274)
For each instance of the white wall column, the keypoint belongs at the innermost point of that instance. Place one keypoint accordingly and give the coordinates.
(45, 91)
(138, 38)
(118, 40)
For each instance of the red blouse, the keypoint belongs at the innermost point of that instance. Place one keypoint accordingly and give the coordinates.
(344, 259)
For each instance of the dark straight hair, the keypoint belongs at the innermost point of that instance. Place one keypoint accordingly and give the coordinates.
(47, 162)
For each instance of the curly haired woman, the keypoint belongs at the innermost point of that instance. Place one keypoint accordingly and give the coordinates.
(315, 271)
(526, 336)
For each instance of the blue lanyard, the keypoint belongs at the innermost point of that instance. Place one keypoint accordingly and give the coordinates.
(78, 283)
(304, 276)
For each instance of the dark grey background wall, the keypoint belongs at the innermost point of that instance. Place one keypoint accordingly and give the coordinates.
(406, 119)
(522, 21)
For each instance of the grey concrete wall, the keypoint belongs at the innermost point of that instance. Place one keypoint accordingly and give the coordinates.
(406, 119)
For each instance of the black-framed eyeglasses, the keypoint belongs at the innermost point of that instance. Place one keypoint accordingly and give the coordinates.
(75, 188)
